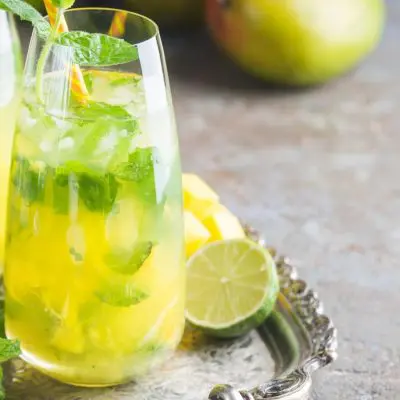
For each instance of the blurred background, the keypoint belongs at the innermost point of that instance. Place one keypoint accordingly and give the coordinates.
(290, 110)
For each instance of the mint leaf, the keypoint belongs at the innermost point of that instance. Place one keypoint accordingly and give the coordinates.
(129, 262)
(95, 110)
(126, 80)
(106, 118)
(88, 78)
(27, 13)
(61, 193)
(98, 192)
(121, 295)
(140, 169)
(97, 49)
(9, 349)
(29, 183)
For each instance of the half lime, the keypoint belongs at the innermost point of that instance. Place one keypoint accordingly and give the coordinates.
(232, 287)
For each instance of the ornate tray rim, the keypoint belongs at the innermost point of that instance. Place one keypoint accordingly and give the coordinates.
(320, 329)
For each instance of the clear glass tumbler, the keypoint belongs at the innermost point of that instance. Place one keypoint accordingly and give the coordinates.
(94, 272)
(10, 74)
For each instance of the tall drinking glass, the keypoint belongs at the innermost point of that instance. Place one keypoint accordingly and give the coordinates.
(94, 271)
(10, 73)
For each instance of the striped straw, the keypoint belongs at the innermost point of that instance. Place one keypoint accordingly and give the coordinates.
(117, 27)
(78, 86)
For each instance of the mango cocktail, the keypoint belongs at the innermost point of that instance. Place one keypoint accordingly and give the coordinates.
(95, 272)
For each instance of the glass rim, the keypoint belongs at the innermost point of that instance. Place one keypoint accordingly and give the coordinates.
(112, 9)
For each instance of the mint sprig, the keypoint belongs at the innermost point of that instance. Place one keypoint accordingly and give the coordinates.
(97, 49)
(9, 349)
(129, 262)
(27, 13)
(121, 294)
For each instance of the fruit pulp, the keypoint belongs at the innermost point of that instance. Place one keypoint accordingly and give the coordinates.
(94, 271)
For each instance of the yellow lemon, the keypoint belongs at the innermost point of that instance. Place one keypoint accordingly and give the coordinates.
(197, 195)
(222, 224)
(196, 235)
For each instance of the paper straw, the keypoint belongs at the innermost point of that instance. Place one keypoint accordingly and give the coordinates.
(78, 86)
(117, 27)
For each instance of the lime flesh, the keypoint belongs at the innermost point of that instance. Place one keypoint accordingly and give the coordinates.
(232, 287)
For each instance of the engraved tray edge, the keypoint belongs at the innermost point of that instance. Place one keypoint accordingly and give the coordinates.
(319, 328)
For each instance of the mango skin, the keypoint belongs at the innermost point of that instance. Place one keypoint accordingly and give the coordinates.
(296, 42)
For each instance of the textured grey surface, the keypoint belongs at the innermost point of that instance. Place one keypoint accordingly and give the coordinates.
(318, 173)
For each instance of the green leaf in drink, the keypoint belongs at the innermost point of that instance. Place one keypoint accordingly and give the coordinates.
(121, 294)
(129, 262)
(29, 183)
(88, 78)
(126, 80)
(27, 13)
(9, 349)
(98, 110)
(97, 49)
(140, 169)
(98, 192)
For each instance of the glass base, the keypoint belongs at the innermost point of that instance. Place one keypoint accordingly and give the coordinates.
(78, 378)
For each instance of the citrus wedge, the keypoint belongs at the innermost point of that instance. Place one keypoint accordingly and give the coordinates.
(232, 287)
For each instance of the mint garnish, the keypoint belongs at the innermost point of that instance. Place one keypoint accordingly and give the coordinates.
(97, 49)
(27, 13)
(121, 294)
(140, 166)
(126, 80)
(9, 349)
(97, 192)
(88, 78)
(95, 110)
(129, 262)
(140, 169)
(29, 183)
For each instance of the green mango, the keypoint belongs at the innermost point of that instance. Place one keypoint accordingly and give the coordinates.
(296, 42)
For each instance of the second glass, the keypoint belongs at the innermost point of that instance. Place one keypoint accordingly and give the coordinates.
(10, 79)
(94, 272)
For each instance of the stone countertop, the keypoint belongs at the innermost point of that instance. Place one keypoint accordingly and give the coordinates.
(316, 171)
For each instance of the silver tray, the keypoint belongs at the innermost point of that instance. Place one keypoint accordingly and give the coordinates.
(274, 362)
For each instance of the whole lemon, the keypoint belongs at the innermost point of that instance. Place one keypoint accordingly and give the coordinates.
(296, 42)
